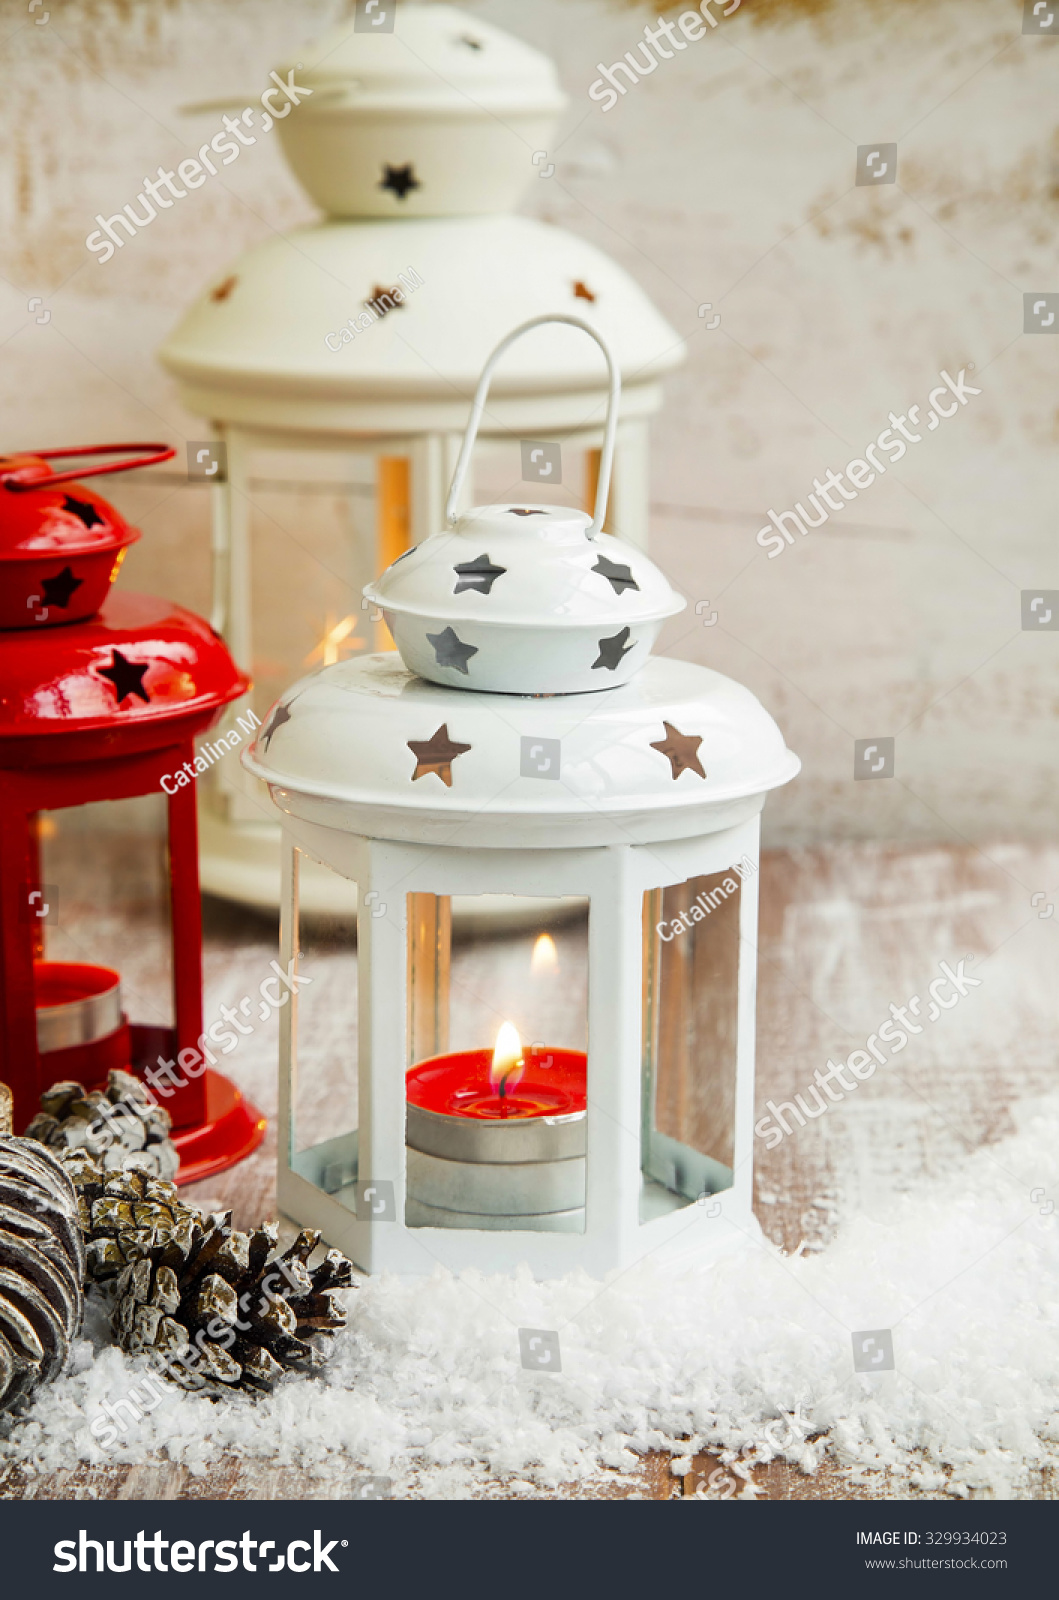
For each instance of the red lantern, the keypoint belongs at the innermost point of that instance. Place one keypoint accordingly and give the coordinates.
(101, 697)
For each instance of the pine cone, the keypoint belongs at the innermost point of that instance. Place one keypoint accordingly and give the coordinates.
(111, 1125)
(41, 1268)
(223, 1312)
(125, 1215)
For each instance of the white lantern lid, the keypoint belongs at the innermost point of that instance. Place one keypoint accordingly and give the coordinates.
(537, 568)
(526, 599)
(367, 746)
(520, 599)
(436, 57)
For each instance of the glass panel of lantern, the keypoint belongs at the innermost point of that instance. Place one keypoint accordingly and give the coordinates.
(324, 1077)
(105, 946)
(691, 953)
(497, 1032)
(338, 512)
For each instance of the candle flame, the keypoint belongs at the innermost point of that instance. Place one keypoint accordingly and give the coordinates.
(508, 1064)
(336, 639)
(545, 957)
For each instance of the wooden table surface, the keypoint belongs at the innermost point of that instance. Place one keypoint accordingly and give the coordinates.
(844, 931)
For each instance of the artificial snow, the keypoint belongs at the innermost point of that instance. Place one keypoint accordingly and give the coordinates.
(426, 1387)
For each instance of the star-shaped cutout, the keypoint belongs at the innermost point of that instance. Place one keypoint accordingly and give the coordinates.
(400, 179)
(394, 293)
(524, 511)
(611, 650)
(436, 755)
(126, 676)
(275, 722)
(84, 511)
(582, 291)
(59, 591)
(479, 575)
(617, 574)
(223, 290)
(682, 750)
(449, 651)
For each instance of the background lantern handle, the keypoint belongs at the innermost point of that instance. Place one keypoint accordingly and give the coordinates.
(22, 478)
(606, 461)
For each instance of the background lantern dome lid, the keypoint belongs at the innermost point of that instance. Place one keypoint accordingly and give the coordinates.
(437, 57)
(62, 519)
(139, 663)
(253, 346)
(368, 746)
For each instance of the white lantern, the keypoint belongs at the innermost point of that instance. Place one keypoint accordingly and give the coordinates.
(347, 351)
(574, 1094)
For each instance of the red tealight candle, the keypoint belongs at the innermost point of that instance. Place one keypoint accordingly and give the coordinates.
(507, 1082)
(81, 1030)
(496, 1138)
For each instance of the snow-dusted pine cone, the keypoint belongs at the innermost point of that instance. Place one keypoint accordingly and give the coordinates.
(41, 1268)
(223, 1311)
(125, 1215)
(110, 1124)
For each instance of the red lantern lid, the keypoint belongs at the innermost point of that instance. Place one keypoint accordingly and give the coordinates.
(131, 672)
(60, 544)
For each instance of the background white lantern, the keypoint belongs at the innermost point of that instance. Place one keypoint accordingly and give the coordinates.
(563, 1092)
(347, 351)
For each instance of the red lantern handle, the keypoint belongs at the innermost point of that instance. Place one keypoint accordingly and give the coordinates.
(23, 478)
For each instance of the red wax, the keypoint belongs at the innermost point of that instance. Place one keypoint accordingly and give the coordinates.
(57, 983)
(457, 1085)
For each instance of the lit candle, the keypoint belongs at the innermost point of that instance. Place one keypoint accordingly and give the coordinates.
(508, 1081)
(508, 1064)
(496, 1138)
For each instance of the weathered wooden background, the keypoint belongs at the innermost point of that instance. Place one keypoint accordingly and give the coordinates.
(727, 176)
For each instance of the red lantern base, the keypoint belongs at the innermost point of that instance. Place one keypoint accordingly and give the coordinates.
(233, 1129)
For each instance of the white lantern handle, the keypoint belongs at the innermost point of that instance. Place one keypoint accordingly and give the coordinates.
(606, 460)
